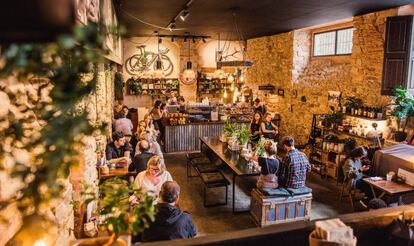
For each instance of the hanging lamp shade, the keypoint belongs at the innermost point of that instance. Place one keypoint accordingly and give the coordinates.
(159, 71)
(188, 76)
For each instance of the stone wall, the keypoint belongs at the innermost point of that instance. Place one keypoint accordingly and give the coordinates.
(285, 61)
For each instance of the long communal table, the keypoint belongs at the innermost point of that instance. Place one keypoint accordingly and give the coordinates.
(233, 160)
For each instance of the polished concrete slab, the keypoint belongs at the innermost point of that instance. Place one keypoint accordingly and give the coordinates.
(221, 219)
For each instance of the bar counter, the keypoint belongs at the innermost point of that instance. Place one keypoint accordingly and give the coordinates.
(186, 137)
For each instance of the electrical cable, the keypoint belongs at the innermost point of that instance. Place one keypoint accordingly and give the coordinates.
(150, 24)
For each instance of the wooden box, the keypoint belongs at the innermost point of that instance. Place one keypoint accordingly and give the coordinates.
(266, 210)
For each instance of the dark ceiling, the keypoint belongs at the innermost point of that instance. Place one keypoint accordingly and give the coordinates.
(255, 18)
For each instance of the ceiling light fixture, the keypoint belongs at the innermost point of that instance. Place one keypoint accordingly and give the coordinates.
(189, 76)
(171, 26)
(184, 14)
(204, 39)
(193, 39)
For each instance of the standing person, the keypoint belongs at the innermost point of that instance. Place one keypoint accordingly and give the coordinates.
(258, 107)
(150, 126)
(255, 127)
(170, 222)
(163, 121)
(353, 171)
(153, 177)
(156, 114)
(173, 99)
(268, 129)
(269, 167)
(181, 103)
(118, 150)
(123, 124)
(295, 166)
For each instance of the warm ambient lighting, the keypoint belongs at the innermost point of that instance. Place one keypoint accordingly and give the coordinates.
(225, 94)
(219, 74)
(232, 87)
(230, 78)
(40, 242)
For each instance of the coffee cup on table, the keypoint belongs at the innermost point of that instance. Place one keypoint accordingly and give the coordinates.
(389, 176)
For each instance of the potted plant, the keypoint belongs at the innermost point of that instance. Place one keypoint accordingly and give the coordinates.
(243, 136)
(403, 107)
(136, 87)
(230, 129)
(333, 119)
(118, 206)
(352, 103)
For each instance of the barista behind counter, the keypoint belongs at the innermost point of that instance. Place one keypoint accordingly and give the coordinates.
(175, 105)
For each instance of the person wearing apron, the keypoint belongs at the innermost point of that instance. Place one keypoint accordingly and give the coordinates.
(268, 129)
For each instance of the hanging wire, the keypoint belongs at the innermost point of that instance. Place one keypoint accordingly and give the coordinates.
(150, 24)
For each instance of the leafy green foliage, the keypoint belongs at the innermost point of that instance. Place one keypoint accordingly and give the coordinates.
(119, 86)
(229, 128)
(353, 102)
(243, 135)
(136, 86)
(121, 213)
(46, 84)
(403, 103)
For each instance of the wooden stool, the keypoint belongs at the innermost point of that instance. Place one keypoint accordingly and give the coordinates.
(214, 180)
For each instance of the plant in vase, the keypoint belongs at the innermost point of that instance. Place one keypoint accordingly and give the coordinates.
(403, 107)
(243, 136)
(125, 209)
(230, 129)
(352, 103)
(333, 119)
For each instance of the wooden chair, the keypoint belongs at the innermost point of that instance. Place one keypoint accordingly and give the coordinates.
(350, 193)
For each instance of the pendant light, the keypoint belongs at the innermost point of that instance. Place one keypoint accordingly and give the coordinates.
(158, 72)
(188, 76)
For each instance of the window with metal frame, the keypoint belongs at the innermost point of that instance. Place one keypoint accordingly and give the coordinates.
(335, 42)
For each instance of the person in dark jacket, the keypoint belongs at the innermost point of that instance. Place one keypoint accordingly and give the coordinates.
(139, 163)
(170, 222)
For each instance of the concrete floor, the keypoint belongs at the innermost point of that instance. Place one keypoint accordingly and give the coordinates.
(325, 201)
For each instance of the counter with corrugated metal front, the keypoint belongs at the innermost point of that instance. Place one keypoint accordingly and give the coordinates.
(187, 137)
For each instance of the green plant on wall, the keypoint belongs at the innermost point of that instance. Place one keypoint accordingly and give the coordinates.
(136, 87)
(61, 75)
(119, 86)
(353, 102)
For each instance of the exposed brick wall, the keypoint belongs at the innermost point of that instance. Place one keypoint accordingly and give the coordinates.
(285, 61)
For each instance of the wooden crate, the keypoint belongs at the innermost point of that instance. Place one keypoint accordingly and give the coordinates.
(266, 211)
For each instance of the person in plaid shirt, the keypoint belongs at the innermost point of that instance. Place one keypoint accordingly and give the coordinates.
(295, 166)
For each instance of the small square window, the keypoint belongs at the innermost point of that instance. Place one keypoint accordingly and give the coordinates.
(337, 42)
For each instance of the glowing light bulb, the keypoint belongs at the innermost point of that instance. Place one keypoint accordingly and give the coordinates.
(225, 94)
(40, 242)
(230, 78)
(242, 98)
(241, 78)
(232, 87)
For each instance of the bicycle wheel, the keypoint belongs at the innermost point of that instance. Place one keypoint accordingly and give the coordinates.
(167, 65)
(136, 64)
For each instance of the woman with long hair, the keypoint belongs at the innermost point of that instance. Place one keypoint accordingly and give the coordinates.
(255, 127)
(152, 179)
(269, 165)
(353, 170)
(268, 129)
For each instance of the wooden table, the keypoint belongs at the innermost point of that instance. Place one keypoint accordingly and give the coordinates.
(389, 188)
(117, 172)
(232, 159)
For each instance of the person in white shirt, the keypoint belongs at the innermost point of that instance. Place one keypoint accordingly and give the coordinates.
(153, 178)
(155, 147)
(123, 124)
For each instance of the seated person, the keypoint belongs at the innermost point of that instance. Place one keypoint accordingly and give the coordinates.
(269, 167)
(123, 124)
(268, 129)
(294, 167)
(353, 171)
(153, 177)
(118, 150)
(139, 163)
(170, 222)
(154, 148)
